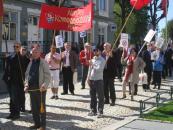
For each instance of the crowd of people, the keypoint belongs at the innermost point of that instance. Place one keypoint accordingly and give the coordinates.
(100, 66)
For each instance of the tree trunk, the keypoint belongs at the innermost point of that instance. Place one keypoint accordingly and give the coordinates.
(123, 18)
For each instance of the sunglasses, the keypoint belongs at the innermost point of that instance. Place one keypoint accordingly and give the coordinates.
(16, 46)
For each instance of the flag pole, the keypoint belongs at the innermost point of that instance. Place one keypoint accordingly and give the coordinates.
(1, 23)
(166, 33)
(54, 31)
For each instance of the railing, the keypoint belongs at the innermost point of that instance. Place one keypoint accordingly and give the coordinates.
(157, 99)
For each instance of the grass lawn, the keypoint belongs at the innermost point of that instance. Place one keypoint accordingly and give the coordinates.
(163, 113)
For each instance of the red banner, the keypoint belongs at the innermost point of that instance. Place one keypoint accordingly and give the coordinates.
(69, 19)
(1, 8)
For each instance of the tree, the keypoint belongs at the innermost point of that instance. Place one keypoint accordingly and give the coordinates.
(122, 9)
(141, 25)
(154, 8)
(137, 23)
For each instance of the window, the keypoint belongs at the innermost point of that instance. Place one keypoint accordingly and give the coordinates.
(33, 20)
(66, 37)
(103, 8)
(73, 36)
(101, 38)
(95, 6)
(103, 5)
(9, 27)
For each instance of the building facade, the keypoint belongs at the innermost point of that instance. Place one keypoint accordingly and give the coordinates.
(20, 23)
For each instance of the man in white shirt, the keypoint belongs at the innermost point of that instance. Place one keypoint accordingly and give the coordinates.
(53, 59)
(69, 66)
(95, 81)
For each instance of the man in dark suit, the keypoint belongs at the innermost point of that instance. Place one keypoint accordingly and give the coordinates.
(168, 61)
(109, 74)
(69, 66)
(17, 65)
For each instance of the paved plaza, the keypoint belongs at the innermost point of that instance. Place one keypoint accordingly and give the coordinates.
(69, 112)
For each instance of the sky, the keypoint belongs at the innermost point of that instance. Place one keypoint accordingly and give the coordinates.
(162, 22)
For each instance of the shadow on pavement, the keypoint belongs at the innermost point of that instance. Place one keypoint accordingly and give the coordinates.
(69, 108)
(76, 100)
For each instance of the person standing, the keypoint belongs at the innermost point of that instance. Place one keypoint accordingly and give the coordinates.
(16, 69)
(158, 62)
(118, 55)
(95, 81)
(69, 66)
(109, 74)
(85, 56)
(148, 68)
(53, 59)
(168, 61)
(37, 78)
(134, 65)
(24, 61)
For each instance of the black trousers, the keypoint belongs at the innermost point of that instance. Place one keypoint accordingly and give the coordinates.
(119, 71)
(157, 75)
(67, 79)
(21, 97)
(39, 118)
(149, 75)
(14, 100)
(109, 89)
(96, 91)
(168, 69)
(84, 75)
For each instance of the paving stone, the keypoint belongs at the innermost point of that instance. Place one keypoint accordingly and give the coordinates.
(70, 112)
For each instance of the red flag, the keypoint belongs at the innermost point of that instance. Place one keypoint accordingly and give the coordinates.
(62, 18)
(164, 6)
(146, 2)
(1, 8)
(139, 4)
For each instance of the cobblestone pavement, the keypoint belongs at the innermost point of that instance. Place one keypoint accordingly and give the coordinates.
(69, 112)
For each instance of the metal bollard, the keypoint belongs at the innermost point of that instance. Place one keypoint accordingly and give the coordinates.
(171, 92)
(157, 99)
(141, 108)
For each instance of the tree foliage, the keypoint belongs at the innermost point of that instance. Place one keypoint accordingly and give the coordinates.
(137, 23)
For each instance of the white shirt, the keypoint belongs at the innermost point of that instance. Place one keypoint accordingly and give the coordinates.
(67, 62)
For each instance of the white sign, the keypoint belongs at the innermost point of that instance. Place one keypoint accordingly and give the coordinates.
(124, 41)
(149, 35)
(159, 42)
(82, 34)
(59, 41)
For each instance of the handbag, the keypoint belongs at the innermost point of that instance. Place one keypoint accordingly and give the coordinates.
(143, 78)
